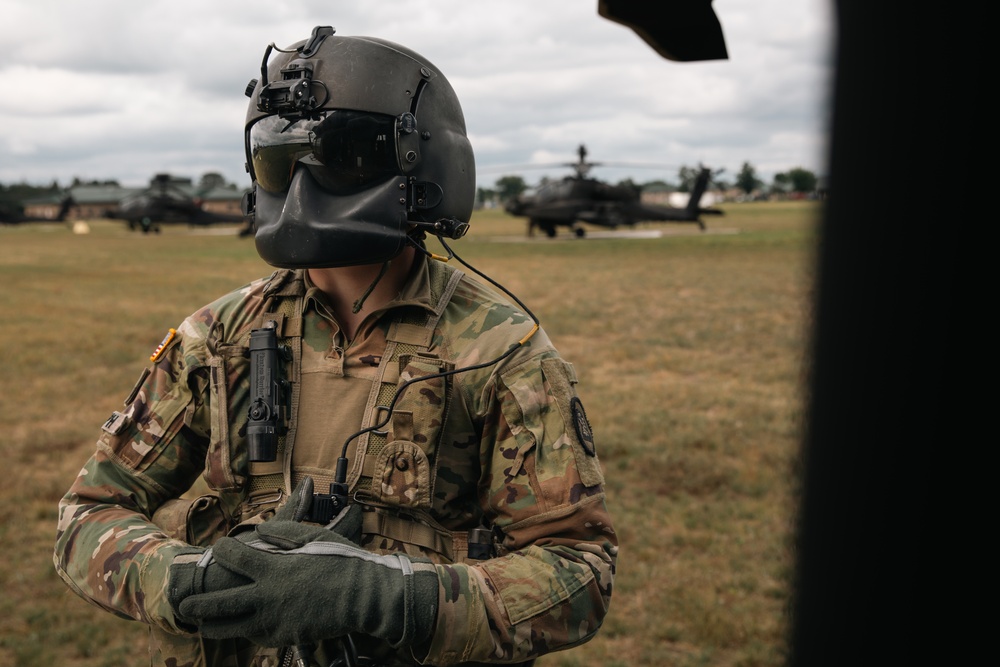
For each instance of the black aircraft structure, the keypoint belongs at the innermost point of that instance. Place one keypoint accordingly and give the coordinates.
(581, 199)
(163, 202)
(10, 216)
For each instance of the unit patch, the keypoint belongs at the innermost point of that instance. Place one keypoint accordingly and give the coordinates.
(582, 426)
(115, 423)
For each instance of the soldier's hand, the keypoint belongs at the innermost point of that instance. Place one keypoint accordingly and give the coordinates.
(347, 523)
(194, 573)
(298, 503)
(305, 586)
(197, 572)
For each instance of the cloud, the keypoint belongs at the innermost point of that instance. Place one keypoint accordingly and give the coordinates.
(117, 89)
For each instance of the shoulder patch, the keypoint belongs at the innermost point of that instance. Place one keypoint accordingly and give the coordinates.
(582, 426)
(164, 344)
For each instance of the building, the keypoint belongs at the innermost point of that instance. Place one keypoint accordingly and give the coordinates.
(91, 201)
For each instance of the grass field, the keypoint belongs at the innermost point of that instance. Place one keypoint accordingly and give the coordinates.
(690, 349)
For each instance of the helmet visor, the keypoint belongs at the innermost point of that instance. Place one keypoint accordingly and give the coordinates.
(345, 151)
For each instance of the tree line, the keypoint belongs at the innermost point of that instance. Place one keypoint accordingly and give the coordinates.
(13, 195)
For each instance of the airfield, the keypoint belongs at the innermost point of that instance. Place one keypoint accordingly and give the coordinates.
(690, 348)
(624, 233)
(637, 234)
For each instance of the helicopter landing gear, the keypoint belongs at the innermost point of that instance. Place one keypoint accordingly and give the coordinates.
(547, 227)
(579, 231)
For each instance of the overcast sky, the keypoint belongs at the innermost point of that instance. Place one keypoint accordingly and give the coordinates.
(118, 89)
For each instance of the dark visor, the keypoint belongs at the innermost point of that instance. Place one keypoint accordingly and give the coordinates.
(345, 151)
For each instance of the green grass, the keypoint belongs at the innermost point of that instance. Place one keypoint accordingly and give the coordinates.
(690, 351)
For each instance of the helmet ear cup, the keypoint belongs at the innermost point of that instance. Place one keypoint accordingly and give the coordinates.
(247, 204)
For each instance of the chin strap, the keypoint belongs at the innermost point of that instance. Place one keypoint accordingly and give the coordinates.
(359, 304)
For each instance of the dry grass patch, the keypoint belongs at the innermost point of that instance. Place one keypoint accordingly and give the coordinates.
(690, 351)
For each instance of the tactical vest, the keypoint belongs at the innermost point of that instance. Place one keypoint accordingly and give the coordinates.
(392, 472)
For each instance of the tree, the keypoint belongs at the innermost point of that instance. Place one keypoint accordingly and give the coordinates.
(658, 184)
(484, 195)
(509, 187)
(746, 179)
(211, 180)
(715, 180)
(629, 184)
(18, 192)
(782, 183)
(687, 176)
(77, 181)
(802, 180)
(797, 180)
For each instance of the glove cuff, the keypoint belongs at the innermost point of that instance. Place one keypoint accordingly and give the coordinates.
(420, 604)
(186, 577)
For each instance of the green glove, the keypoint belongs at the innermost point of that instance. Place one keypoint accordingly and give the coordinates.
(192, 572)
(298, 503)
(306, 586)
(347, 523)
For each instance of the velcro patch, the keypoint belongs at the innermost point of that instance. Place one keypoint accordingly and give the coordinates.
(115, 423)
(582, 426)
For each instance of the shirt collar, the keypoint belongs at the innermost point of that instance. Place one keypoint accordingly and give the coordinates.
(416, 291)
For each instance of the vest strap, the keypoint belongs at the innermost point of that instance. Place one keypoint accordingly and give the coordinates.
(452, 545)
(268, 479)
(412, 333)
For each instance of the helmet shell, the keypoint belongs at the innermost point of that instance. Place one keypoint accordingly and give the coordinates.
(378, 76)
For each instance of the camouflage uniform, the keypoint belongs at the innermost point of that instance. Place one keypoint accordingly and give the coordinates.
(507, 445)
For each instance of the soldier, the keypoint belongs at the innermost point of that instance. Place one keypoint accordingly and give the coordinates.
(434, 407)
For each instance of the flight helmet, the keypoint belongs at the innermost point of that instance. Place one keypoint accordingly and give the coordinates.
(355, 146)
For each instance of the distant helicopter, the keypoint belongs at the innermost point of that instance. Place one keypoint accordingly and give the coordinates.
(577, 198)
(165, 202)
(10, 216)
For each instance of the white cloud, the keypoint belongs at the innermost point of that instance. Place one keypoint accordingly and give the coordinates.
(118, 89)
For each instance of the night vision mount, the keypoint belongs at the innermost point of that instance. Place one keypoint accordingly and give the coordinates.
(293, 94)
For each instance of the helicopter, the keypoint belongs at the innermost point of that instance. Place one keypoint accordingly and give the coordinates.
(579, 198)
(11, 216)
(165, 201)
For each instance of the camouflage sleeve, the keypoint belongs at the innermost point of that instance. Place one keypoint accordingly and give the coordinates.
(551, 588)
(107, 549)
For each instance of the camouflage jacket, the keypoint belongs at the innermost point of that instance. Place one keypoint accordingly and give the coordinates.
(506, 445)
